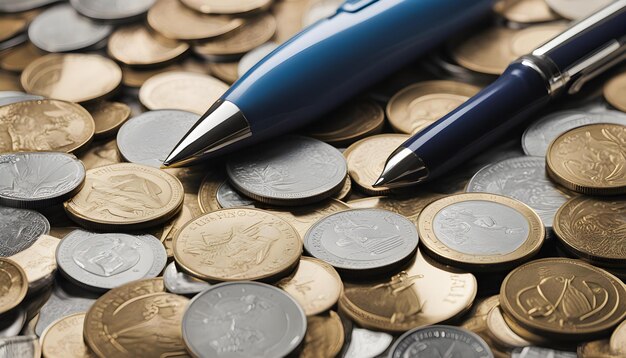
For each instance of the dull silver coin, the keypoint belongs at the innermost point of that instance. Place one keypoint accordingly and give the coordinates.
(180, 283)
(362, 239)
(11, 323)
(367, 344)
(524, 179)
(150, 137)
(23, 5)
(39, 179)
(112, 10)
(251, 58)
(20, 346)
(440, 341)
(227, 197)
(20, 228)
(104, 261)
(62, 29)
(541, 133)
(18, 98)
(293, 171)
(243, 319)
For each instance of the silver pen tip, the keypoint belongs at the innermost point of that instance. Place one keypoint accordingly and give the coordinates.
(403, 168)
(379, 182)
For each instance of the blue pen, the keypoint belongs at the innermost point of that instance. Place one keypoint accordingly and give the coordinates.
(321, 67)
(560, 66)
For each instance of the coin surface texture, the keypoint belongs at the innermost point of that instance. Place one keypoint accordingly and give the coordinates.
(303, 217)
(23, 5)
(108, 117)
(443, 341)
(64, 338)
(503, 334)
(618, 339)
(614, 91)
(226, 7)
(590, 159)
(112, 10)
(324, 336)
(136, 45)
(13, 284)
(20, 228)
(228, 319)
(100, 154)
(181, 283)
(38, 261)
(255, 32)
(18, 58)
(227, 197)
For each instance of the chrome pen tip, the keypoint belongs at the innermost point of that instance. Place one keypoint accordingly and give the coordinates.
(379, 182)
(403, 168)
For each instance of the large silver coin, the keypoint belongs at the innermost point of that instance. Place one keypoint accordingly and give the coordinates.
(292, 171)
(39, 179)
(62, 29)
(540, 352)
(20, 228)
(22, 5)
(362, 239)
(541, 133)
(104, 261)
(367, 344)
(524, 179)
(180, 283)
(440, 341)
(11, 323)
(18, 98)
(253, 57)
(112, 9)
(20, 346)
(150, 137)
(243, 319)
(228, 197)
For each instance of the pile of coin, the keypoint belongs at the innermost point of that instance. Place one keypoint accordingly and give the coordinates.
(287, 249)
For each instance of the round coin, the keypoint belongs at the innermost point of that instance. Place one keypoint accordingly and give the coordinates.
(576, 9)
(13, 285)
(100, 154)
(563, 299)
(324, 336)
(526, 11)
(137, 45)
(501, 333)
(590, 159)
(618, 339)
(125, 196)
(480, 231)
(38, 262)
(227, 197)
(243, 319)
(39, 179)
(293, 171)
(487, 51)
(112, 10)
(227, 7)
(19, 57)
(440, 341)
(615, 92)
(108, 116)
(19, 229)
(362, 239)
(64, 338)
(186, 91)
(180, 283)
(303, 217)
(137, 137)
(11, 6)
(72, 77)
(237, 244)
(528, 39)
(207, 193)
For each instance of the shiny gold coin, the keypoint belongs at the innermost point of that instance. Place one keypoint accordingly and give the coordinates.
(237, 244)
(487, 51)
(590, 159)
(13, 284)
(476, 318)
(100, 154)
(254, 32)
(64, 338)
(528, 39)
(417, 296)
(596, 349)
(366, 159)
(166, 234)
(324, 336)
(417, 106)
(125, 196)
(9, 82)
(11, 25)
(615, 92)
(408, 206)
(44, 125)
(108, 117)
(186, 91)
(207, 194)
(303, 217)
(315, 285)
(229, 7)
(563, 299)
(18, 58)
(137, 45)
(618, 339)
(136, 320)
(484, 232)
(349, 123)
(501, 333)
(174, 20)
(525, 11)
(38, 261)
(225, 71)
(72, 77)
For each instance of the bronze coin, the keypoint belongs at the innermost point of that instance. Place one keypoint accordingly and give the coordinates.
(487, 51)
(254, 32)
(207, 194)
(10, 82)
(137, 45)
(525, 11)
(618, 339)
(38, 261)
(108, 117)
(13, 284)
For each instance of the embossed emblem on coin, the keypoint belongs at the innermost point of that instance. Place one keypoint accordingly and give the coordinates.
(20, 228)
(13, 284)
(442, 341)
(108, 116)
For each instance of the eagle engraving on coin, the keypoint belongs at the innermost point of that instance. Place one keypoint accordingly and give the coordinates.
(124, 196)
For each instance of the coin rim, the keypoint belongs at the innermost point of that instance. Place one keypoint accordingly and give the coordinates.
(23, 288)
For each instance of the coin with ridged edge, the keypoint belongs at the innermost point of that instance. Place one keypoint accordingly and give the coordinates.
(13, 284)
(440, 341)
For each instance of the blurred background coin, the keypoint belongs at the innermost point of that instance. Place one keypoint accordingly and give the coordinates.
(108, 117)
(137, 45)
(227, 7)
(112, 10)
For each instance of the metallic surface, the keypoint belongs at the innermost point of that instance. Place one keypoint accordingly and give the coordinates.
(181, 283)
(443, 341)
(19, 229)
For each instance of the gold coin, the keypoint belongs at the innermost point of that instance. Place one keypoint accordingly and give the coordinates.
(125, 196)
(420, 295)
(19, 57)
(484, 232)
(349, 123)
(187, 91)
(237, 244)
(618, 339)
(108, 117)
(345, 191)
(528, 39)
(324, 336)
(487, 51)
(207, 194)
(408, 206)
(590, 159)
(227, 7)
(13, 284)
(9, 82)
(563, 299)
(11, 25)
(63, 338)
(166, 234)
(417, 106)
(44, 125)
(138, 319)
(303, 217)
(525, 11)
(476, 318)
(100, 154)
(72, 77)
(501, 333)
(136, 45)
(174, 20)
(38, 261)
(133, 77)
(225, 71)
(315, 285)
(596, 349)
(254, 32)
(615, 92)
(366, 159)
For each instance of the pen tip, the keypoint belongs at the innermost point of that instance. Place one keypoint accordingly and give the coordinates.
(379, 182)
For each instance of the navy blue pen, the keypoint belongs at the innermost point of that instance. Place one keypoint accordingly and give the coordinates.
(560, 66)
(323, 66)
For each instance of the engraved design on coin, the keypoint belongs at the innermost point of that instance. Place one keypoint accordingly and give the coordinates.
(107, 256)
(19, 229)
(440, 341)
(227, 197)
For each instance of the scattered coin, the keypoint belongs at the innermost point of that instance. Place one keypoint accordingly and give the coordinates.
(596, 349)
(108, 117)
(12, 6)
(501, 332)
(11, 26)
(134, 77)
(38, 262)
(346, 190)
(217, 318)
(64, 338)
(225, 71)
(19, 229)
(576, 9)
(408, 206)
(227, 7)
(136, 45)
(614, 92)
(324, 336)
(227, 197)
(487, 51)
(12, 323)
(528, 39)
(303, 217)
(112, 10)
(167, 232)
(13, 284)
(618, 339)
(207, 193)
(100, 154)
(180, 283)
(251, 58)
(20, 346)
(19, 57)
(367, 344)
(443, 341)
(18, 98)
(525, 11)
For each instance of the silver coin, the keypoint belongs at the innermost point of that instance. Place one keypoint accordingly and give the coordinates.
(541, 133)
(39, 179)
(251, 58)
(362, 239)
(112, 9)
(20, 346)
(150, 137)
(20, 228)
(61, 29)
(524, 179)
(440, 341)
(5, 94)
(14, 41)
(228, 197)
(104, 261)
(540, 352)
(18, 98)
(243, 319)
(11, 323)
(367, 344)
(22, 5)
(293, 171)
(180, 283)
